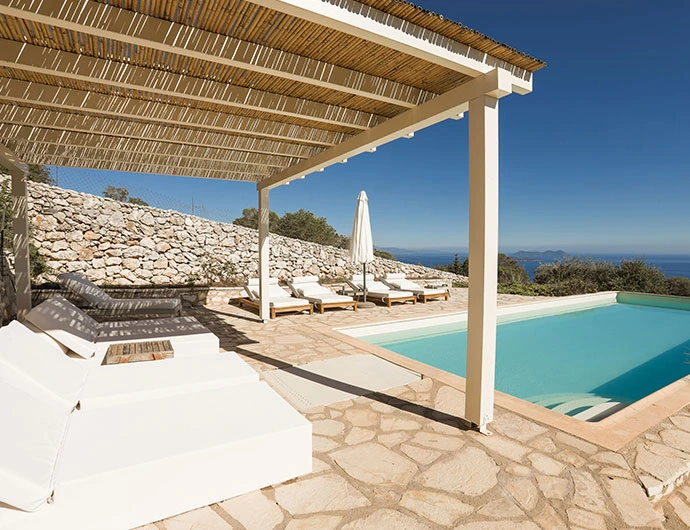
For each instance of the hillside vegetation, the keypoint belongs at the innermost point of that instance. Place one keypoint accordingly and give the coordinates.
(570, 275)
(580, 276)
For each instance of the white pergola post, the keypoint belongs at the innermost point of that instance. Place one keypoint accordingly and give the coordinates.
(483, 260)
(264, 256)
(20, 227)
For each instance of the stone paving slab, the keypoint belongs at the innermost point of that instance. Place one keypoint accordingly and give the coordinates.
(338, 379)
(404, 458)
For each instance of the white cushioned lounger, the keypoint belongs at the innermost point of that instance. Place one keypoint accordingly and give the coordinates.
(279, 299)
(44, 363)
(130, 464)
(122, 307)
(76, 330)
(379, 291)
(124, 383)
(309, 287)
(400, 281)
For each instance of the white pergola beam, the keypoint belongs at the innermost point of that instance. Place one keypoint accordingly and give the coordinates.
(365, 22)
(264, 255)
(483, 260)
(20, 228)
(452, 104)
(30, 123)
(122, 76)
(74, 101)
(109, 22)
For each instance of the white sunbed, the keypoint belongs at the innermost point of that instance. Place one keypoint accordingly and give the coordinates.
(280, 300)
(32, 352)
(400, 282)
(379, 291)
(118, 307)
(322, 297)
(132, 463)
(74, 329)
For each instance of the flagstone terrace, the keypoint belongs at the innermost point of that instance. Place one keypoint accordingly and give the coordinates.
(405, 458)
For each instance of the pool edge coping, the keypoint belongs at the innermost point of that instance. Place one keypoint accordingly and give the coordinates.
(613, 432)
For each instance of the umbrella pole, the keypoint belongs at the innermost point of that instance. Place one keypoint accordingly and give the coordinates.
(364, 278)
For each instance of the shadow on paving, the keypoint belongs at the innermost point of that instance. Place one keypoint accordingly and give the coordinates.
(232, 339)
(396, 402)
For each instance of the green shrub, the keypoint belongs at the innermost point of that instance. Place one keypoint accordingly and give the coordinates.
(678, 286)
(577, 276)
(385, 255)
(216, 272)
(457, 267)
(637, 276)
(510, 271)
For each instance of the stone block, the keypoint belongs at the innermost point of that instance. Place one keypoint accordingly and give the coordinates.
(131, 263)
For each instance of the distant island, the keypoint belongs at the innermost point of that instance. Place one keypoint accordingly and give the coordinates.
(532, 255)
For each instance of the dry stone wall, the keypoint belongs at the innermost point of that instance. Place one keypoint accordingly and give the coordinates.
(124, 244)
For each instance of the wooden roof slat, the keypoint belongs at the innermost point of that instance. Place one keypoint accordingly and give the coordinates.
(254, 90)
(82, 102)
(132, 145)
(149, 158)
(129, 77)
(24, 119)
(91, 18)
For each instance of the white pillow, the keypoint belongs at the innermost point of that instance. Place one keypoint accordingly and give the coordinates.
(305, 279)
(276, 291)
(43, 361)
(33, 430)
(310, 289)
(67, 324)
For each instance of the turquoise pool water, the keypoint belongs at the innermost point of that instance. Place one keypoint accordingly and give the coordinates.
(620, 352)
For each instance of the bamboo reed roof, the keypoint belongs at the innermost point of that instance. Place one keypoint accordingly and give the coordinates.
(227, 89)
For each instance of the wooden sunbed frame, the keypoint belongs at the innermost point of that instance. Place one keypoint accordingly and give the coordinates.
(424, 297)
(389, 301)
(326, 305)
(274, 310)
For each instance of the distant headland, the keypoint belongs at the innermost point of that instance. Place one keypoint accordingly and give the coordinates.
(532, 255)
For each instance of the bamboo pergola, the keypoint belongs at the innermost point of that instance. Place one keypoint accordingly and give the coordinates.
(264, 91)
(238, 89)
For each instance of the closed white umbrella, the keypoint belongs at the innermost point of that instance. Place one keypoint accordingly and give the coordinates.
(361, 242)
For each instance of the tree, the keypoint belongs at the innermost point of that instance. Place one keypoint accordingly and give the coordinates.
(38, 262)
(509, 270)
(40, 174)
(457, 267)
(137, 201)
(117, 194)
(36, 173)
(304, 225)
(383, 254)
(250, 218)
(122, 195)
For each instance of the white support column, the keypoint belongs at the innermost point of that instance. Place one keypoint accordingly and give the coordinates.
(264, 254)
(20, 226)
(483, 260)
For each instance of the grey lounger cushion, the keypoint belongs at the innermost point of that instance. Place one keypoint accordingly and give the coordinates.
(99, 299)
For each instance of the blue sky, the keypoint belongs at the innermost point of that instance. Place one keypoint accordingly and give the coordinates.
(595, 159)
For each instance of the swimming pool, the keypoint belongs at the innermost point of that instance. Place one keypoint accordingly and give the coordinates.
(588, 358)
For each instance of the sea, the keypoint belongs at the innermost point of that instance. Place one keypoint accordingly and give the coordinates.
(670, 265)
